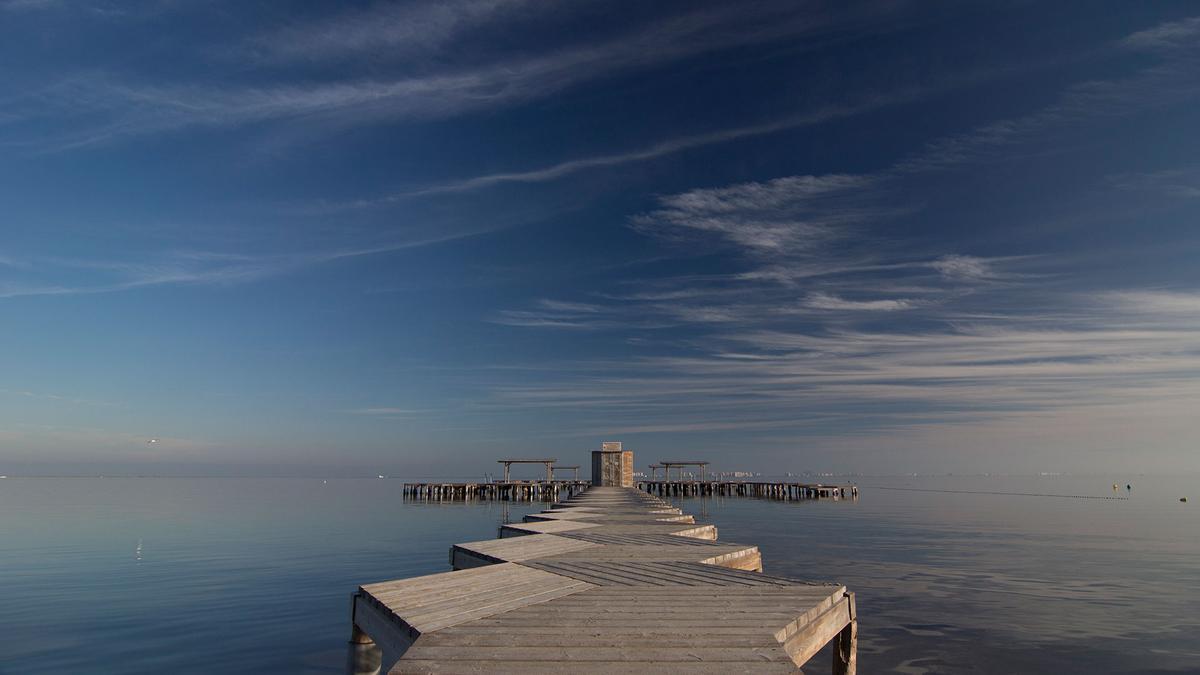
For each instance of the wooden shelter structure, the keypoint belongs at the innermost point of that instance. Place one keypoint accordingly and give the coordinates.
(549, 462)
(564, 468)
(679, 465)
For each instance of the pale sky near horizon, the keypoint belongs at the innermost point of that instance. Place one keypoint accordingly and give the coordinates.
(413, 237)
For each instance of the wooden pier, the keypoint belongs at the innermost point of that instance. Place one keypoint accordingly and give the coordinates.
(737, 488)
(515, 491)
(561, 489)
(609, 580)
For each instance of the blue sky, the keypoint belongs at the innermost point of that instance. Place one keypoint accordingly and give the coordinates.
(411, 237)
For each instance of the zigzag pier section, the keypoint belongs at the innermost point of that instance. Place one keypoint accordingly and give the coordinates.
(608, 579)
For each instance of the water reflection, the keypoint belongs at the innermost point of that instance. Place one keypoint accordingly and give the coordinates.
(363, 659)
(965, 575)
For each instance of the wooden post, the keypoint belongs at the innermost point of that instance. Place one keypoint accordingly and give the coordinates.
(845, 645)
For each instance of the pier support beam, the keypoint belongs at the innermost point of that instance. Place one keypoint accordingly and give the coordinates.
(363, 656)
(845, 645)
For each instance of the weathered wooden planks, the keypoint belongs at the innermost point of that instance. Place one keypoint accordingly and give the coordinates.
(492, 551)
(545, 527)
(592, 515)
(614, 589)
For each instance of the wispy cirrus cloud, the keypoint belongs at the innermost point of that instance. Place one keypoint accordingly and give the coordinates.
(964, 267)
(55, 398)
(650, 152)
(1006, 373)
(834, 319)
(795, 222)
(1179, 183)
(554, 314)
(45, 276)
(800, 230)
(1157, 302)
(386, 412)
(26, 5)
(1166, 36)
(819, 300)
(1084, 100)
(387, 31)
(785, 215)
(100, 107)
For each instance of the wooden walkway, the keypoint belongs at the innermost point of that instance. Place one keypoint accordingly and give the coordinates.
(784, 490)
(513, 491)
(563, 489)
(611, 580)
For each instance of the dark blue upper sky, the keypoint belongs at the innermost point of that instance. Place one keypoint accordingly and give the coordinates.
(411, 237)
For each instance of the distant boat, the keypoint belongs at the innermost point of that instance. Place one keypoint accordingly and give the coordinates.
(381, 475)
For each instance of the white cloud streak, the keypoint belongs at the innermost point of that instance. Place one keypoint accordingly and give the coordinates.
(386, 412)
(1082, 100)
(1179, 183)
(120, 108)
(1172, 35)
(834, 337)
(832, 302)
(27, 5)
(1157, 303)
(786, 219)
(86, 277)
(963, 267)
(654, 151)
(387, 30)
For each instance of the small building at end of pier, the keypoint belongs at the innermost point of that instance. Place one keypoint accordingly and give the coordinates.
(612, 465)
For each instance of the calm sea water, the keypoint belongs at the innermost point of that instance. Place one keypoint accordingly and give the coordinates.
(163, 575)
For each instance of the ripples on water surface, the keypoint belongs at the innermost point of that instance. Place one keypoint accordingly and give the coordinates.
(162, 575)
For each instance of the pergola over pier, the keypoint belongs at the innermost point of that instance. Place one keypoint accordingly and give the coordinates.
(549, 462)
(564, 468)
(668, 465)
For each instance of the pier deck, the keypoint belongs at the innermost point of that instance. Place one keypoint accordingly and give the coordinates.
(783, 490)
(547, 490)
(626, 589)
